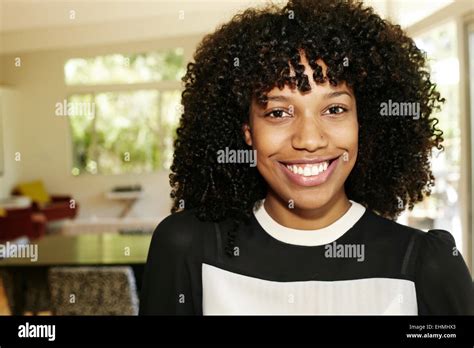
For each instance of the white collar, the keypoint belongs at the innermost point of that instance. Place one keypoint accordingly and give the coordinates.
(321, 236)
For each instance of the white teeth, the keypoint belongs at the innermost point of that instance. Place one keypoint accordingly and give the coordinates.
(309, 169)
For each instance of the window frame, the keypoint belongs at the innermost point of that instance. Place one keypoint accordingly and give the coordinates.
(462, 13)
(94, 89)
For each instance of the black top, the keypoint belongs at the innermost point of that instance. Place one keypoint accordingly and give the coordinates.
(402, 271)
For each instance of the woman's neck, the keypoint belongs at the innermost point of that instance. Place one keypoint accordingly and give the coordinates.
(303, 219)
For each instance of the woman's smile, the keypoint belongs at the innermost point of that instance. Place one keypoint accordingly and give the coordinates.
(308, 172)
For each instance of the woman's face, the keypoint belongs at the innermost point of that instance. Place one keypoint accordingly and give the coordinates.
(306, 142)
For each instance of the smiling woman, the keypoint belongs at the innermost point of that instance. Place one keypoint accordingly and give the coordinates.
(303, 86)
(306, 154)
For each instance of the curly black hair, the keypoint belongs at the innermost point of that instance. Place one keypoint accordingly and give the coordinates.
(248, 56)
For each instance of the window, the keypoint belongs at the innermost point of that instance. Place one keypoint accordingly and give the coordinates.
(119, 68)
(125, 111)
(442, 208)
(470, 39)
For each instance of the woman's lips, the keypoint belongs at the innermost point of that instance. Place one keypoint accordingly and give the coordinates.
(307, 174)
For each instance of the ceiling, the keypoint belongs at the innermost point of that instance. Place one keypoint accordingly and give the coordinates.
(21, 15)
(27, 25)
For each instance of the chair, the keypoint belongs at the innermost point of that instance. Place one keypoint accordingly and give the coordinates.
(53, 207)
(22, 222)
(59, 208)
(26, 290)
(7, 285)
(93, 291)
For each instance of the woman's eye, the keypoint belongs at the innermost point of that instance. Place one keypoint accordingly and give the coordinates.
(278, 113)
(335, 110)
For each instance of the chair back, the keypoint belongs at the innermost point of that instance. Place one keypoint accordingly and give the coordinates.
(93, 291)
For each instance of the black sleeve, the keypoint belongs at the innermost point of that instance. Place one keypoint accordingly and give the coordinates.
(166, 287)
(443, 283)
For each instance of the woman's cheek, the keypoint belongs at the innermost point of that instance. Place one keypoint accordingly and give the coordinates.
(268, 140)
(347, 137)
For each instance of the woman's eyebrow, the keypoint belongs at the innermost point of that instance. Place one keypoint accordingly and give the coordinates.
(335, 94)
(325, 96)
(278, 98)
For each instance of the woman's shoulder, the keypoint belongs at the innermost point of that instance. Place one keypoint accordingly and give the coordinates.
(431, 240)
(180, 219)
(430, 250)
(431, 259)
(438, 244)
(442, 278)
(177, 230)
(438, 254)
(380, 227)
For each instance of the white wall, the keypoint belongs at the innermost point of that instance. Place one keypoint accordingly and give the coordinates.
(44, 139)
(10, 128)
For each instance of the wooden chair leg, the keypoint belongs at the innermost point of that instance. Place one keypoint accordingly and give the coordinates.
(4, 305)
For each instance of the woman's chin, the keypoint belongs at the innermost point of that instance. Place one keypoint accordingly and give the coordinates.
(309, 202)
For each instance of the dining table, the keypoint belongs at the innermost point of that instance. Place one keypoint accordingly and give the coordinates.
(25, 273)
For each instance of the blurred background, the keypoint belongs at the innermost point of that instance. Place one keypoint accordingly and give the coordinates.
(89, 103)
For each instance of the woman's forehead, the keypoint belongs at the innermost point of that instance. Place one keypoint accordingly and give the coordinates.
(286, 91)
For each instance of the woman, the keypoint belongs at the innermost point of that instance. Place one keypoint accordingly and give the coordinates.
(333, 105)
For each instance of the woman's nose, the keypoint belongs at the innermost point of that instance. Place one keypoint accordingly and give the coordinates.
(308, 134)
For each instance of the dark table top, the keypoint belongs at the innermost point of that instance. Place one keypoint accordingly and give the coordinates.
(84, 249)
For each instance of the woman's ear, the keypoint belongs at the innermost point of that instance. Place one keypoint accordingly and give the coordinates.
(247, 134)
